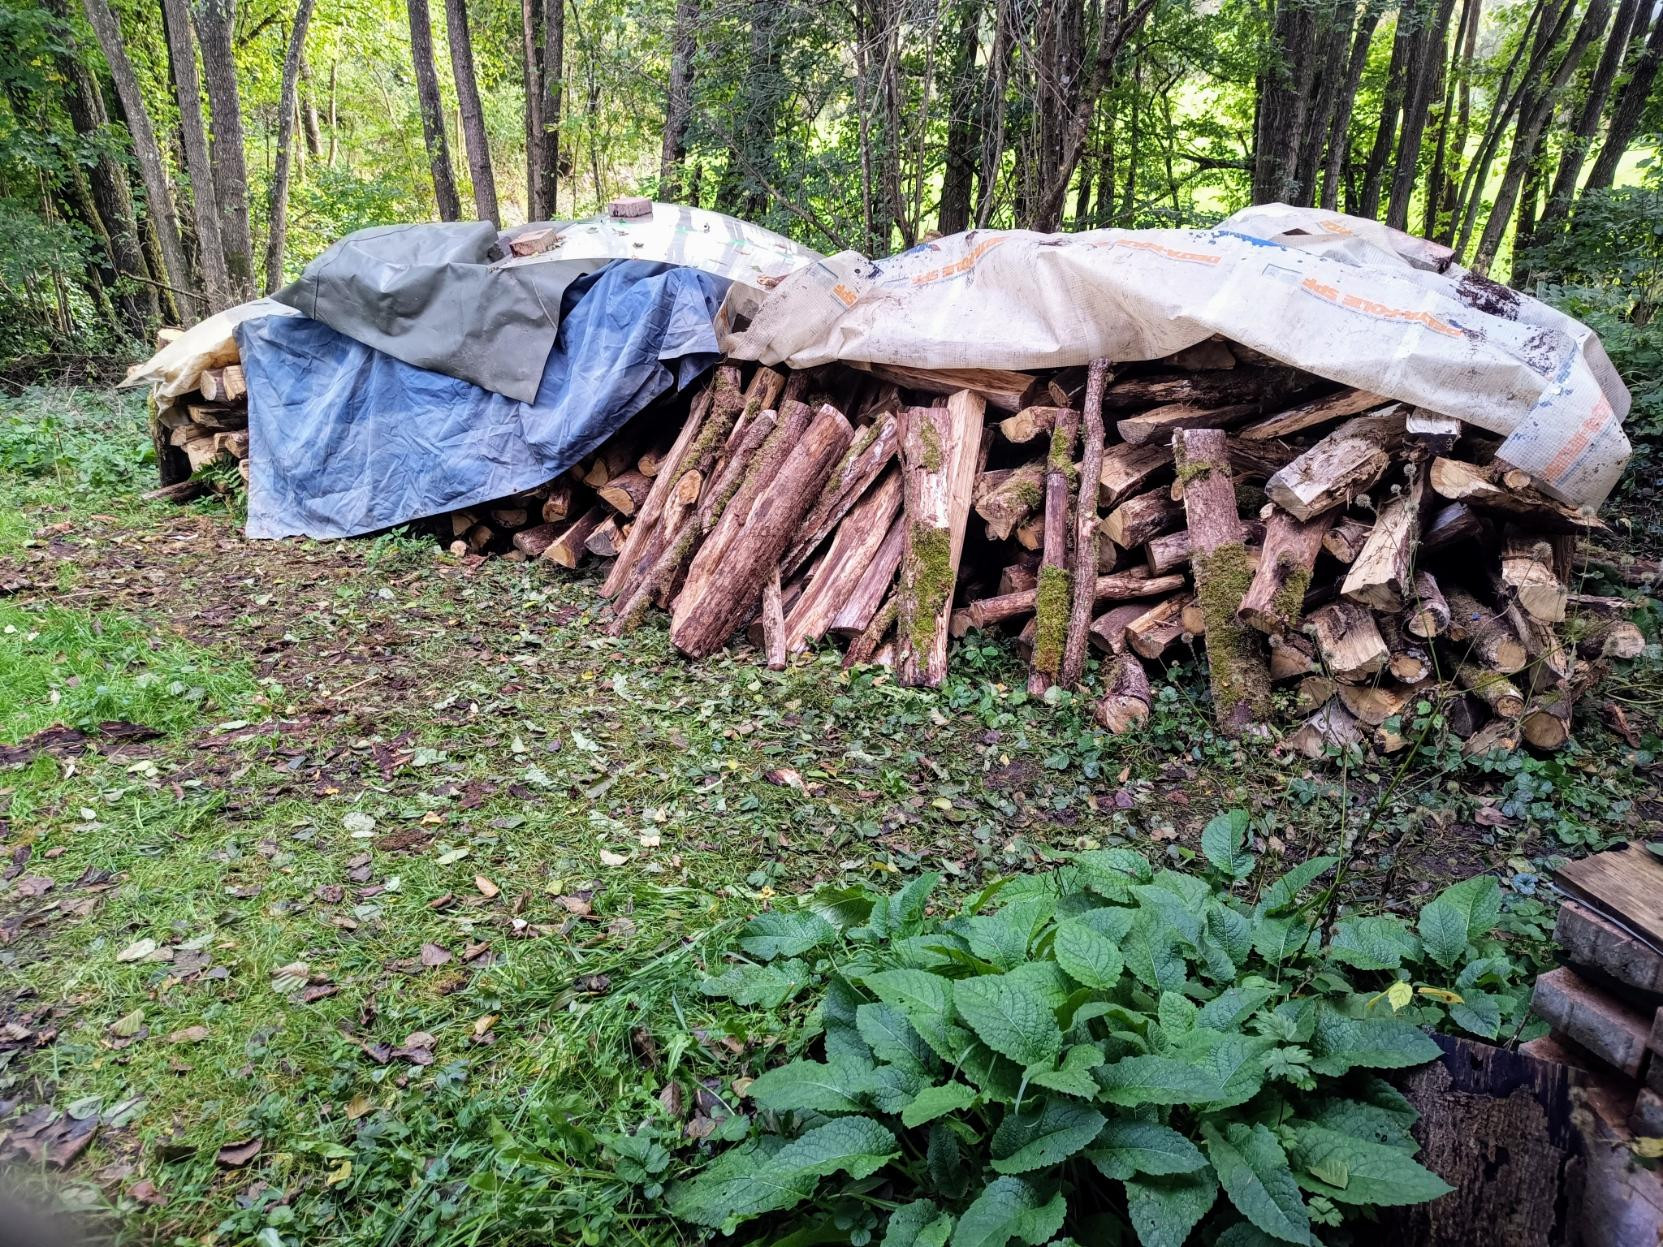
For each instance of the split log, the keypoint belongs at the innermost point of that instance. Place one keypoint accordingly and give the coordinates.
(1373, 704)
(1234, 385)
(218, 417)
(1259, 461)
(1351, 646)
(509, 517)
(1339, 467)
(1117, 586)
(479, 537)
(1126, 697)
(1450, 524)
(1601, 1023)
(1159, 424)
(1141, 517)
(1507, 491)
(615, 457)
(1603, 952)
(557, 501)
(1493, 688)
(652, 460)
(1409, 662)
(1029, 423)
(1016, 577)
(1291, 655)
(626, 492)
(1331, 727)
(1335, 406)
(532, 541)
(1428, 614)
(773, 621)
(1126, 469)
(940, 447)
(726, 576)
(608, 538)
(233, 444)
(864, 647)
(1237, 665)
(1010, 501)
(1380, 574)
(1030, 534)
(1529, 572)
(1085, 527)
(1275, 600)
(1610, 638)
(1487, 633)
(1108, 630)
(1346, 539)
(1314, 692)
(854, 545)
(996, 387)
(1152, 633)
(1055, 591)
(567, 550)
(223, 385)
(874, 587)
(874, 446)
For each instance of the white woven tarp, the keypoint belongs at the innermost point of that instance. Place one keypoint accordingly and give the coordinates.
(1341, 297)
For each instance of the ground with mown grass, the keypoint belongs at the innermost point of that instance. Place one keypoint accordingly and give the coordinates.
(355, 893)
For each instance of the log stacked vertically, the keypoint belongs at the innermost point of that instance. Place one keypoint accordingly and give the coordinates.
(1374, 557)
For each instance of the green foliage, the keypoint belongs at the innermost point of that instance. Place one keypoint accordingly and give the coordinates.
(1213, 1057)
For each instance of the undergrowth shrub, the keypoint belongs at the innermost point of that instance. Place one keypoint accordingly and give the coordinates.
(1106, 1053)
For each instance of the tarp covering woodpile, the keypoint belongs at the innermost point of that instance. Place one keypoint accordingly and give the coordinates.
(1284, 439)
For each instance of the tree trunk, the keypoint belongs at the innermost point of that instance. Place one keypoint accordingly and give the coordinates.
(1339, 127)
(473, 113)
(531, 71)
(278, 200)
(1446, 158)
(215, 22)
(1429, 49)
(148, 153)
(1397, 73)
(1280, 121)
(309, 126)
(188, 92)
(554, 67)
(742, 190)
(993, 111)
(960, 160)
(1580, 140)
(433, 116)
(112, 201)
(1631, 106)
(678, 102)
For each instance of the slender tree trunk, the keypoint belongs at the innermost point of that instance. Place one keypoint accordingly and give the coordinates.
(278, 214)
(554, 69)
(1280, 117)
(433, 115)
(147, 153)
(960, 160)
(334, 121)
(678, 101)
(1630, 108)
(309, 126)
(1532, 117)
(743, 189)
(1339, 127)
(1445, 161)
(473, 113)
(1429, 51)
(1391, 105)
(107, 179)
(531, 69)
(1337, 20)
(993, 115)
(215, 22)
(1581, 137)
(193, 137)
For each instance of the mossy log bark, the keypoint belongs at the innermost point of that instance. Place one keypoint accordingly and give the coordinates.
(1236, 661)
(1054, 594)
(1275, 600)
(1085, 527)
(940, 452)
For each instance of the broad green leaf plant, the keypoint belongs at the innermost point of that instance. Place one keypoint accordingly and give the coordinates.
(1108, 1053)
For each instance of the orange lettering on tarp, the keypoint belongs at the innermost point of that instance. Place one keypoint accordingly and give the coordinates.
(844, 295)
(1378, 311)
(958, 267)
(1169, 253)
(1596, 419)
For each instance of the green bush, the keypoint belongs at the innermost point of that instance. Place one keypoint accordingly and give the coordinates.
(1101, 1048)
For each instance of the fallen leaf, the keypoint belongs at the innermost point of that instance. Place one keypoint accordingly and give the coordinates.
(574, 905)
(316, 992)
(484, 1023)
(138, 950)
(144, 1190)
(128, 1024)
(609, 858)
(339, 1174)
(236, 1155)
(358, 1106)
(785, 777)
(33, 885)
(359, 824)
(487, 889)
(433, 955)
(190, 1034)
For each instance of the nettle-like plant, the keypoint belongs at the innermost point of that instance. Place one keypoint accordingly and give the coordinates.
(1101, 1047)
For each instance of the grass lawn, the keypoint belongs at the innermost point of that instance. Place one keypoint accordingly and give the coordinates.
(360, 894)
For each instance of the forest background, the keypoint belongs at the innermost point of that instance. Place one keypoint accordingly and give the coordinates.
(161, 159)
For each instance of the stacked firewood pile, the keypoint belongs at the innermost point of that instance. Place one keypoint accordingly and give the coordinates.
(210, 426)
(1364, 555)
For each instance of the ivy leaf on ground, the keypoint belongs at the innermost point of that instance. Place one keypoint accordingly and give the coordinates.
(1253, 1170)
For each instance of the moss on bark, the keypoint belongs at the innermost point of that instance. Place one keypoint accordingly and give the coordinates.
(929, 572)
(1236, 664)
(1051, 602)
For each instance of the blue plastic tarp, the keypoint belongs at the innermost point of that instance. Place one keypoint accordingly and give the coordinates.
(347, 440)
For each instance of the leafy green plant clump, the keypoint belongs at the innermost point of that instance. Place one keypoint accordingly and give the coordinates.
(1106, 1053)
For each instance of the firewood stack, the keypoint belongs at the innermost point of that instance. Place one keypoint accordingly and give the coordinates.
(203, 428)
(1364, 555)
(1605, 1004)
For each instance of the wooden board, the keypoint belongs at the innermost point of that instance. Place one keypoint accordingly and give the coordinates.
(1624, 885)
